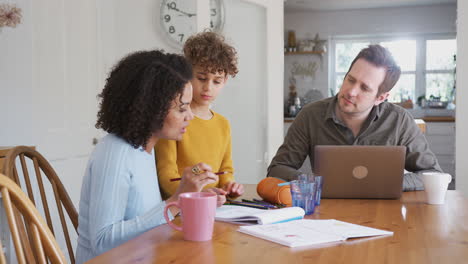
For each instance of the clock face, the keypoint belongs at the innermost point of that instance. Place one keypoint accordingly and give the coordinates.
(179, 18)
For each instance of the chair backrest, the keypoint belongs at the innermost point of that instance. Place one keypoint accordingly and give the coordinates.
(42, 240)
(62, 200)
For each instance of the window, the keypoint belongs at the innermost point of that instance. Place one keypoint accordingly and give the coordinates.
(440, 67)
(427, 64)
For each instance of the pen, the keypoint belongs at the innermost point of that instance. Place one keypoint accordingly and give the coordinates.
(217, 173)
(284, 183)
(247, 202)
(255, 201)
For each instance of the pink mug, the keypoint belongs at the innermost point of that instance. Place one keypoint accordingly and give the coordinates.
(197, 210)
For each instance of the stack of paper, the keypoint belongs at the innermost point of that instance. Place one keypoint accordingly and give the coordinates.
(247, 215)
(310, 232)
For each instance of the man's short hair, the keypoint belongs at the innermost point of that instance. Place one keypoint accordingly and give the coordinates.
(381, 57)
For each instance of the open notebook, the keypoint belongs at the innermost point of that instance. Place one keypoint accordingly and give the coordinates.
(251, 216)
(307, 232)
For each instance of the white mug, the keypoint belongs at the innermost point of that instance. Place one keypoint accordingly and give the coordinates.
(435, 186)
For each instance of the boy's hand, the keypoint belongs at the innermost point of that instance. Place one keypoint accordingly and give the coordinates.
(234, 189)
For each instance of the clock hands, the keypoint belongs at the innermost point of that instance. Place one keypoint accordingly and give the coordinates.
(180, 11)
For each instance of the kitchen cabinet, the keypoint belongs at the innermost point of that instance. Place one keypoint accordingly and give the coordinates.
(441, 139)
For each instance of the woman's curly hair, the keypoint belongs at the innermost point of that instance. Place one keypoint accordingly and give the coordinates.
(210, 51)
(139, 92)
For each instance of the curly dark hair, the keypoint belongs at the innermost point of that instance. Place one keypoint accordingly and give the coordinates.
(139, 92)
(210, 51)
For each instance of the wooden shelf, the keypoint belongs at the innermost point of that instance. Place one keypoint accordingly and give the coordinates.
(304, 53)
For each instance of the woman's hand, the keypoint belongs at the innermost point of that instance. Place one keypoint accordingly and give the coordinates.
(221, 195)
(234, 189)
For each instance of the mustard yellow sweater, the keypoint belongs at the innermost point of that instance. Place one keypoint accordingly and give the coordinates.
(207, 141)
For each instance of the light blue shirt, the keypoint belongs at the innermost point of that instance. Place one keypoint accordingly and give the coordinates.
(120, 197)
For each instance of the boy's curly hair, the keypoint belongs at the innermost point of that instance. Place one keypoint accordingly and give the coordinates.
(139, 92)
(210, 51)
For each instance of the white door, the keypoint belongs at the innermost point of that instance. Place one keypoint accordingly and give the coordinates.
(64, 83)
(48, 85)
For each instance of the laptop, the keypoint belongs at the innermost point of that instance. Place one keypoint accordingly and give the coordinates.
(360, 171)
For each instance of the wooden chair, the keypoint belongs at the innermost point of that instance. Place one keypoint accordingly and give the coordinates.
(62, 200)
(43, 243)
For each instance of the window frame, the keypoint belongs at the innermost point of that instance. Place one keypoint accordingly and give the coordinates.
(421, 44)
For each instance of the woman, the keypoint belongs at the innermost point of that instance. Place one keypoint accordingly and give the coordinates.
(147, 97)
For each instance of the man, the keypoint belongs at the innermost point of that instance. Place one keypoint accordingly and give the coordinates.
(357, 115)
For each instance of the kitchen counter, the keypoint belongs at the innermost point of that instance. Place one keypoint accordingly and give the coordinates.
(425, 118)
(433, 115)
(419, 121)
(438, 118)
(428, 115)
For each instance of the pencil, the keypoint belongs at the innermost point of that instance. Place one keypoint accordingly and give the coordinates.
(217, 173)
(253, 205)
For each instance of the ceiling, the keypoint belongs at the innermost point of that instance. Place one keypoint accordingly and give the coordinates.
(334, 5)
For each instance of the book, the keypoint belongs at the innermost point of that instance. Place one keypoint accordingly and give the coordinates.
(308, 232)
(252, 216)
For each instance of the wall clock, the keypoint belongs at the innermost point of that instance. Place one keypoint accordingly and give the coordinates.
(179, 19)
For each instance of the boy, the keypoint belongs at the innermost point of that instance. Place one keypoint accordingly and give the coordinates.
(208, 137)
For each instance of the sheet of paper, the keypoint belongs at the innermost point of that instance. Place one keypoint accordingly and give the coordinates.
(292, 234)
(310, 232)
(349, 230)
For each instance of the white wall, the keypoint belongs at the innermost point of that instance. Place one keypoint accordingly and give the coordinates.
(126, 26)
(60, 55)
(117, 24)
(48, 83)
(422, 19)
(461, 146)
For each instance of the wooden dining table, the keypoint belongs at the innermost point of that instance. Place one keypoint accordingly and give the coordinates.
(423, 233)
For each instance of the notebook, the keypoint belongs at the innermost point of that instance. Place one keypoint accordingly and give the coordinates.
(308, 232)
(360, 171)
(253, 216)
